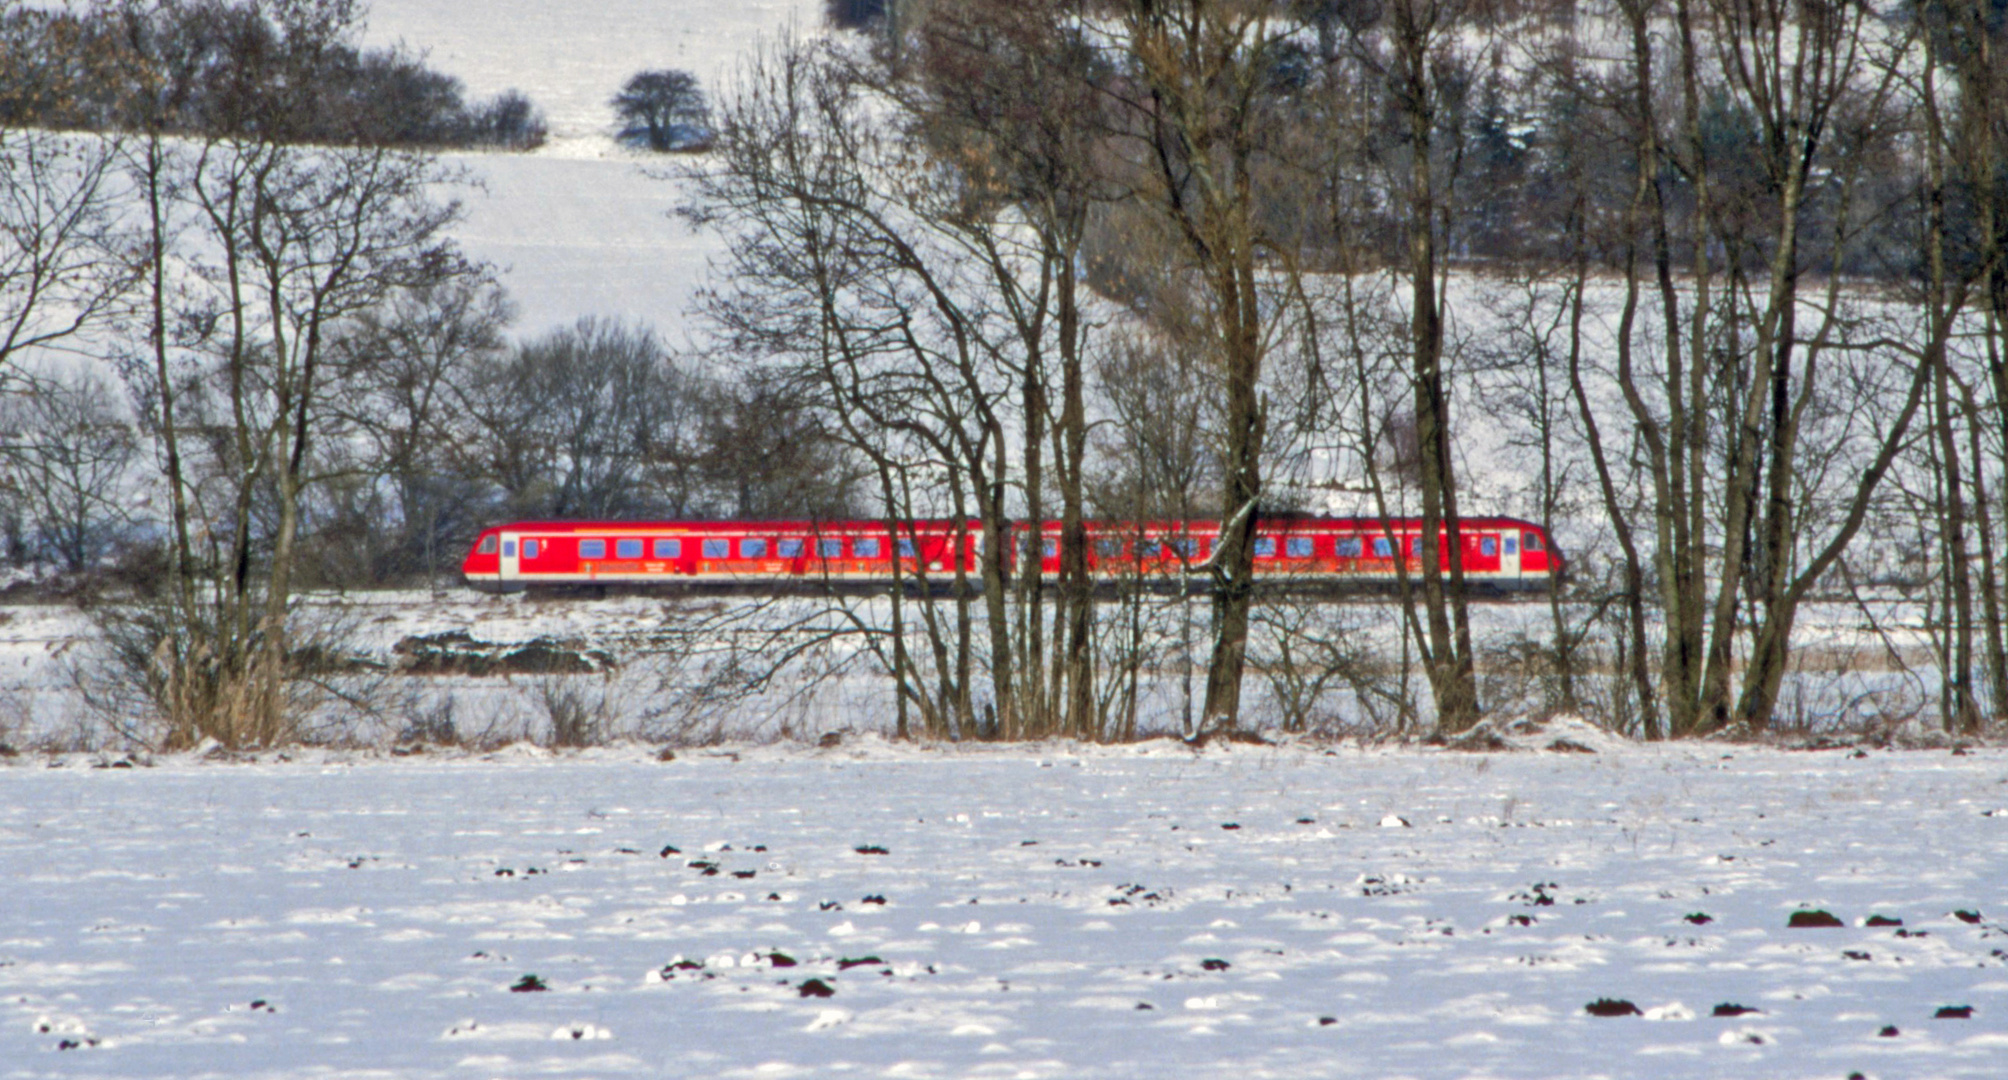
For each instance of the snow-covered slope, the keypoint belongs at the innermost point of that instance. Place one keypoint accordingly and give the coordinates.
(575, 237)
(571, 58)
(577, 227)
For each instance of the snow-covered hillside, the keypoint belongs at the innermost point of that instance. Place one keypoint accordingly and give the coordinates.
(578, 227)
(1044, 911)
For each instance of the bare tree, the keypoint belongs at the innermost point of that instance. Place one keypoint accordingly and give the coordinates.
(1197, 116)
(663, 110)
(1416, 50)
(67, 456)
(1010, 95)
(256, 255)
(859, 279)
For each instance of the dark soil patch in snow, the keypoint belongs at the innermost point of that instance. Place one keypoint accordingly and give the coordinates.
(1812, 919)
(1611, 1007)
(454, 652)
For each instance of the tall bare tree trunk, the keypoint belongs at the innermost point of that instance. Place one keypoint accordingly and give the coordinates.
(1203, 64)
(1449, 664)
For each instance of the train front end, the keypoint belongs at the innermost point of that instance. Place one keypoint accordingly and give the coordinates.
(483, 569)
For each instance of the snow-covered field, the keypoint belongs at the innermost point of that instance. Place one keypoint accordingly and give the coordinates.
(1043, 911)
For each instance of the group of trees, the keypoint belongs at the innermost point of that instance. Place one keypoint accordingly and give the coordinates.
(248, 362)
(1726, 275)
(276, 69)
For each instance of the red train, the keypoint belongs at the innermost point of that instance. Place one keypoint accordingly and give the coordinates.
(1499, 554)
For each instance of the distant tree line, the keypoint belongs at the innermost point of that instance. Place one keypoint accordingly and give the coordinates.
(288, 70)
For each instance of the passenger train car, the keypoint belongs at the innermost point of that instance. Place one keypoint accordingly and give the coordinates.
(1499, 554)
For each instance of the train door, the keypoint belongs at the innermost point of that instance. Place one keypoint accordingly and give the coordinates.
(1481, 554)
(511, 566)
(1509, 554)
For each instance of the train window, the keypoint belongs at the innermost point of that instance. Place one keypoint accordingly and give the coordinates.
(1415, 547)
(669, 549)
(592, 549)
(1265, 547)
(1298, 547)
(867, 548)
(788, 549)
(1512, 545)
(1052, 548)
(1382, 550)
(906, 549)
(1108, 547)
(830, 549)
(487, 545)
(1347, 547)
(1533, 541)
(627, 549)
(717, 549)
(752, 549)
(531, 547)
(1488, 546)
(509, 549)
(1184, 548)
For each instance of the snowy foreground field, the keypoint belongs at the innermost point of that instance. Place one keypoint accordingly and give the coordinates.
(1054, 910)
